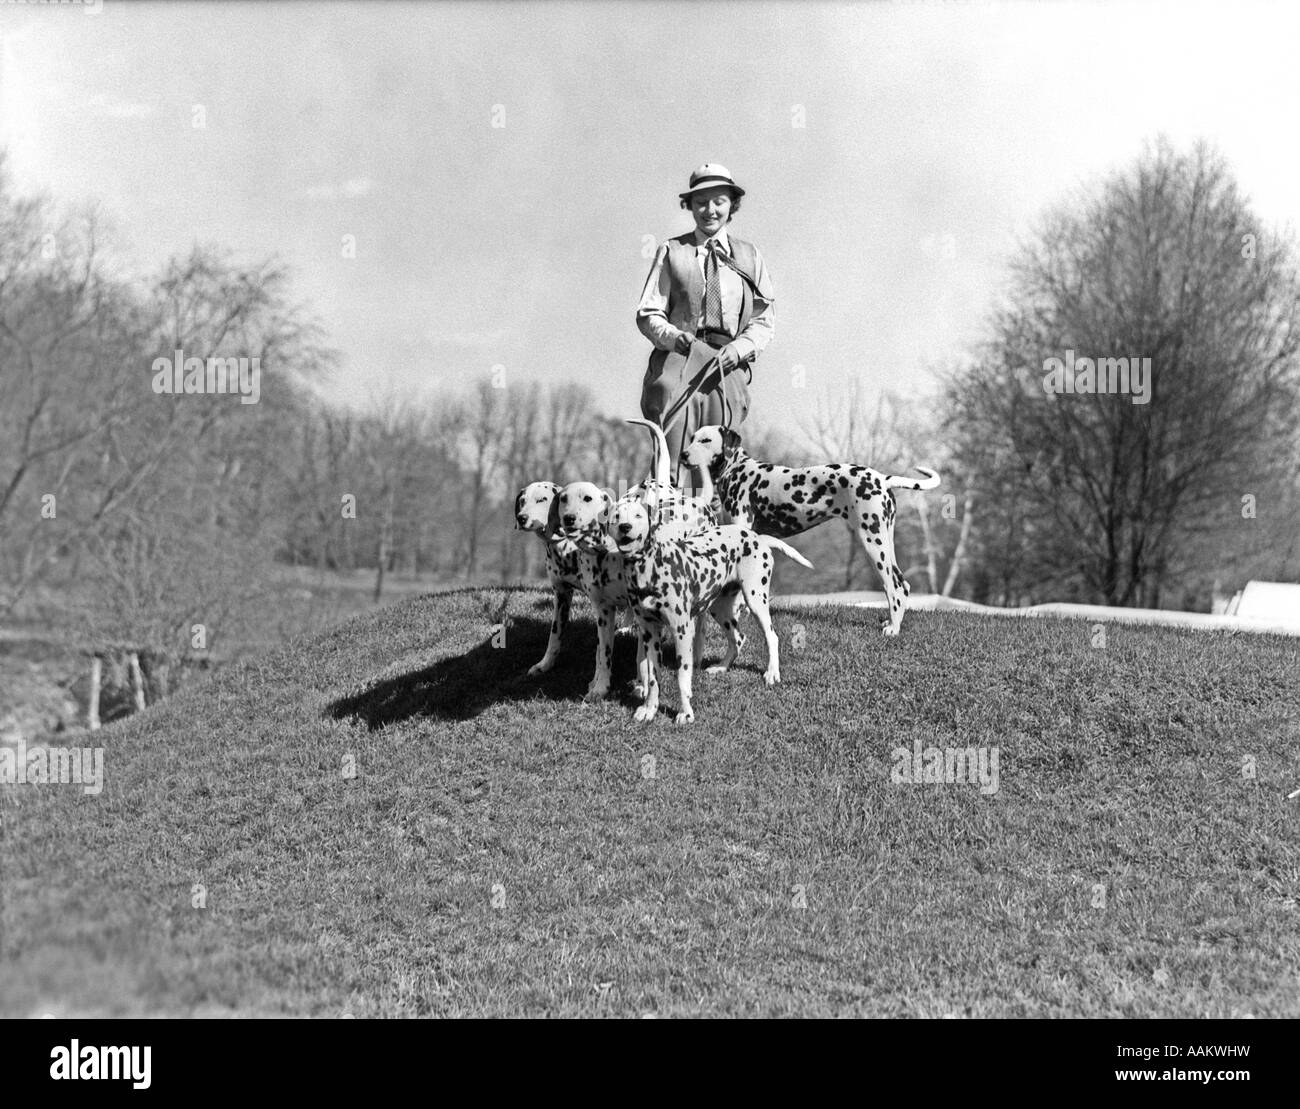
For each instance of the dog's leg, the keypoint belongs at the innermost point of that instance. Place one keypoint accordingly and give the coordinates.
(684, 635)
(880, 553)
(756, 596)
(605, 620)
(697, 647)
(559, 621)
(724, 612)
(642, 683)
(650, 640)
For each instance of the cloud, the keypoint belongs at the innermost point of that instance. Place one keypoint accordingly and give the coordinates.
(114, 107)
(356, 186)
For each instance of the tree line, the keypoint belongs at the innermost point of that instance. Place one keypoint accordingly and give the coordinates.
(149, 514)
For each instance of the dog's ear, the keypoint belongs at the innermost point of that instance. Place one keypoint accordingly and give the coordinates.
(519, 504)
(730, 440)
(553, 516)
(608, 503)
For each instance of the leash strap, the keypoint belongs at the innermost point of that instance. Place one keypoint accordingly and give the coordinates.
(753, 285)
(677, 462)
(679, 406)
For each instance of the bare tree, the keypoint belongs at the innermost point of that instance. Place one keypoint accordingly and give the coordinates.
(483, 429)
(519, 466)
(1164, 262)
(66, 337)
(566, 445)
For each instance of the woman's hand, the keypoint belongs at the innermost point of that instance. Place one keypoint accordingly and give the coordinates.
(683, 344)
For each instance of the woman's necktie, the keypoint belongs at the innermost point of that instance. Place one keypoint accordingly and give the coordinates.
(712, 289)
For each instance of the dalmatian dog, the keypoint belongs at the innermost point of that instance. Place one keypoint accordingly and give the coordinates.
(784, 501)
(583, 512)
(541, 507)
(537, 510)
(673, 580)
(578, 555)
(583, 509)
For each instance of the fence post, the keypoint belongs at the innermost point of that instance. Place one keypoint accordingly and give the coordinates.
(92, 708)
(137, 680)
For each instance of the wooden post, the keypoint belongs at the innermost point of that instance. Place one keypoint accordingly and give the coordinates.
(92, 709)
(137, 680)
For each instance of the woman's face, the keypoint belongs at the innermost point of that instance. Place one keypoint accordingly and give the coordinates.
(712, 209)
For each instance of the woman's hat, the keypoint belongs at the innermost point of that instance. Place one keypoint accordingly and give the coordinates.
(711, 176)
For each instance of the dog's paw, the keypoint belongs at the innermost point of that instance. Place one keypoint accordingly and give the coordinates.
(686, 717)
(596, 693)
(771, 677)
(717, 668)
(888, 629)
(539, 668)
(638, 691)
(644, 714)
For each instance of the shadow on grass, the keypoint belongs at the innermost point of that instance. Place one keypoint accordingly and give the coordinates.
(460, 688)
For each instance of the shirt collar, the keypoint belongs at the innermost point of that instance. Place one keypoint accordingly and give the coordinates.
(723, 242)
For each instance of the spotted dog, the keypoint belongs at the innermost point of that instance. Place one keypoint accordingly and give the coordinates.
(784, 501)
(576, 521)
(570, 567)
(537, 510)
(583, 512)
(673, 581)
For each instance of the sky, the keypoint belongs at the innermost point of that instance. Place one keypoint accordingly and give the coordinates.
(893, 156)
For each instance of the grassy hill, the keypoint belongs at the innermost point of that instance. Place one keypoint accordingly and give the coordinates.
(501, 848)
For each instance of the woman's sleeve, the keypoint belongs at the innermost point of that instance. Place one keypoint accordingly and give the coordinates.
(652, 312)
(751, 342)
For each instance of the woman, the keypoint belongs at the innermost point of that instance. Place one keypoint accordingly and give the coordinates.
(708, 294)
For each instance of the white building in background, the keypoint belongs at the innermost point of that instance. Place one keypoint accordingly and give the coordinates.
(1274, 601)
(1271, 607)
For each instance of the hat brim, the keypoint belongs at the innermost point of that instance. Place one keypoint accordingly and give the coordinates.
(736, 190)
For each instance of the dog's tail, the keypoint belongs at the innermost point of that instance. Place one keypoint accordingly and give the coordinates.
(661, 468)
(776, 545)
(893, 481)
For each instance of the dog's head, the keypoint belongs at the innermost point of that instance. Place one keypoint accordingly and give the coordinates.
(711, 447)
(584, 509)
(535, 506)
(629, 526)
